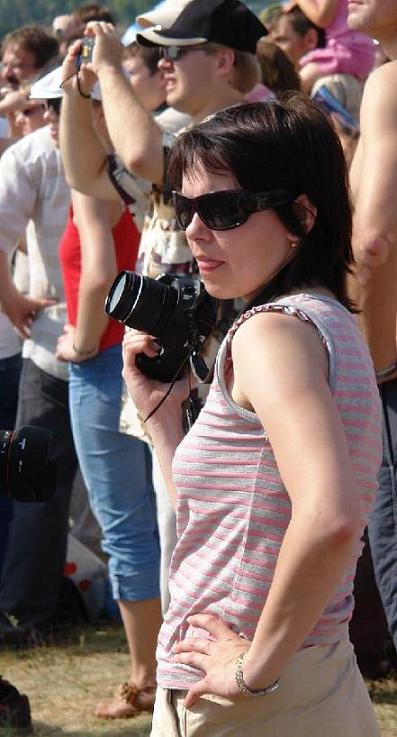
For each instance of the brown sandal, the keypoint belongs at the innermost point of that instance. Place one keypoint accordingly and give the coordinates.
(128, 701)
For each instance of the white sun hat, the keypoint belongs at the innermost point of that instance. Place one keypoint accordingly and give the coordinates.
(49, 87)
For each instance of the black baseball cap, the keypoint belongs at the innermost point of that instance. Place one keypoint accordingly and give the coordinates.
(226, 22)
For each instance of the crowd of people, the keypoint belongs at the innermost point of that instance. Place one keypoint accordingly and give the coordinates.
(254, 157)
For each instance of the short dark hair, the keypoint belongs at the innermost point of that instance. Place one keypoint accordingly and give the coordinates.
(301, 24)
(93, 11)
(35, 40)
(150, 55)
(282, 144)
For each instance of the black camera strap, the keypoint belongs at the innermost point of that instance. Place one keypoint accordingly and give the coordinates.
(189, 407)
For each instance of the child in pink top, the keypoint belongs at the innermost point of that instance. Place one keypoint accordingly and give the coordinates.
(345, 52)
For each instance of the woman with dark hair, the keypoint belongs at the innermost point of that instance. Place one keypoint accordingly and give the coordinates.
(275, 480)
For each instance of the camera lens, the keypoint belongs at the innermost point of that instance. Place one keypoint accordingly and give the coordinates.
(123, 295)
(144, 304)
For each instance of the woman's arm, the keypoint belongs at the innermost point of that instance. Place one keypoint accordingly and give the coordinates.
(165, 424)
(288, 388)
(320, 12)
(280, 369)
(94, 219)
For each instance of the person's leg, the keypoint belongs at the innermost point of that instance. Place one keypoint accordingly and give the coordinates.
(166, 521)
(382, 524)
(10, 371)
(83, 525)
(117, 471)
(35, 557)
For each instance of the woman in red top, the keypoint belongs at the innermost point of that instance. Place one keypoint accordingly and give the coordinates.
(100, 239)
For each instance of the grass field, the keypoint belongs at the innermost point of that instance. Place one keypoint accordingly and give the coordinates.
(64, 680)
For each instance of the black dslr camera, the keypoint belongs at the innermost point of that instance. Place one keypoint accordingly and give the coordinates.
(27, 474)
(174, 309)
(85, 55)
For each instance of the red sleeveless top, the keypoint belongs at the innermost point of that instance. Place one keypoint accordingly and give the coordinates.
(126, 242)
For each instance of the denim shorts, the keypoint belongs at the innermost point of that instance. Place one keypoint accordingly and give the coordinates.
(117, 471)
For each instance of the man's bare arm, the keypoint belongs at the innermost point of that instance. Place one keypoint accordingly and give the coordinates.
(320, 12)
(374, 185)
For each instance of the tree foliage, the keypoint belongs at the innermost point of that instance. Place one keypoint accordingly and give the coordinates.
(16, 13)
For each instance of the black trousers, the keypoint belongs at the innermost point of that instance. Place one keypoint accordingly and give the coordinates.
(35, 555)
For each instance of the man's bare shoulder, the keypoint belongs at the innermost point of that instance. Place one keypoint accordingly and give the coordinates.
(380, 92)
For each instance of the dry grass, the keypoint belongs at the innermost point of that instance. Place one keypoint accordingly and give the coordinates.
(65, 680)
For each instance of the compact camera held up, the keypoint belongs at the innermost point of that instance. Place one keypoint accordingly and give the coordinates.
(85, 55)
(174, 309)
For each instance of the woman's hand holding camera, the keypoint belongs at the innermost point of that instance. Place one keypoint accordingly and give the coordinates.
(147, 393)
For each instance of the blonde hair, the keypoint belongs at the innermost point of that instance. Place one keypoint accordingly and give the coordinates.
(246, 70)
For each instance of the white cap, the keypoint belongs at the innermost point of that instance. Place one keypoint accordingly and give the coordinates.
(164, 14)
(49, 87)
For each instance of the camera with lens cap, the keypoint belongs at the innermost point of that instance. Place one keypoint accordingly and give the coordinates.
(27, 472)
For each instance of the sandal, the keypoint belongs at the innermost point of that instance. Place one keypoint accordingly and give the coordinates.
(128, 701)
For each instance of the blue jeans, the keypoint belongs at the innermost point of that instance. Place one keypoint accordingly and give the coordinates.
(10, 371)
(382, 524)
(117, 471)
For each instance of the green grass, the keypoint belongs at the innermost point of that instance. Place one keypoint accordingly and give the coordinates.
(65, 679)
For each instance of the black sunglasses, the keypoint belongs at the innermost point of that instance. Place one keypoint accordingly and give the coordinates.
(55, 104)
(226, 209)
(174, 53)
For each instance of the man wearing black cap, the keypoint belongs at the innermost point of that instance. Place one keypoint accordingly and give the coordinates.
(203, 50)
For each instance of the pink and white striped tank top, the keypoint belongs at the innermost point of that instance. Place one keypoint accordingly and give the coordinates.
(233, 509)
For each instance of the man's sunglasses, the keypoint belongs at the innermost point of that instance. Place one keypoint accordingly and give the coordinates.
(174, 53)
(228, 208)
(54, 104)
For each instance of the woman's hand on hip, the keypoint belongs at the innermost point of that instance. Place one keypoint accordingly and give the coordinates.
(215, 657)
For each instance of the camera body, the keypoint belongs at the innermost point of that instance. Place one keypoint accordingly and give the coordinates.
(85, 55)
(172, 308)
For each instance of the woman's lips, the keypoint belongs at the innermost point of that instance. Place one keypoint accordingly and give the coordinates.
(207, 264)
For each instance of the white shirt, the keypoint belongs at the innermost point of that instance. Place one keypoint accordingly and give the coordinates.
(33, 188)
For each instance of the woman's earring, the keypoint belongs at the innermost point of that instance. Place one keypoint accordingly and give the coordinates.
(294, 244)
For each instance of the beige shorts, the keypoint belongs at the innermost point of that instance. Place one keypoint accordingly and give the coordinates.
(321, 694)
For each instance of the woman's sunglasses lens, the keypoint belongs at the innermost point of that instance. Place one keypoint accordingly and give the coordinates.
(218, 210)
(223, 210)
(184, 210)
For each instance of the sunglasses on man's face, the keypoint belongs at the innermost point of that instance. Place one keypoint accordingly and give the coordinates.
(174, 53)
(54, 104)
(228, 208)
